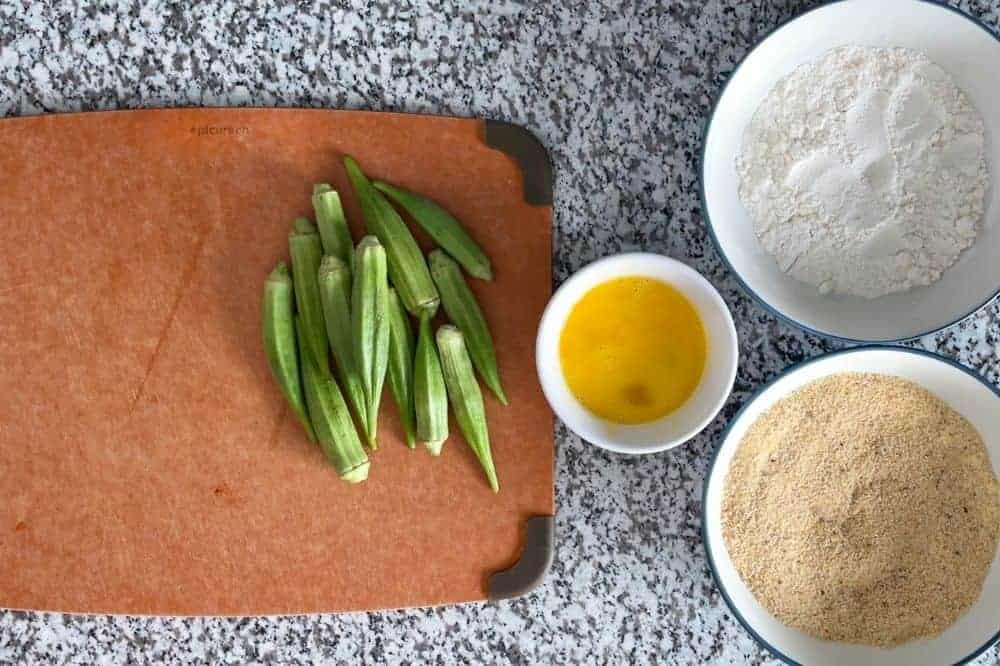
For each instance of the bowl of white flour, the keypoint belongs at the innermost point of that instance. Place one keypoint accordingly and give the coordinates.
(848, 170)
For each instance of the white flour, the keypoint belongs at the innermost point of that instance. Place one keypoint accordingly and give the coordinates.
(864, 172)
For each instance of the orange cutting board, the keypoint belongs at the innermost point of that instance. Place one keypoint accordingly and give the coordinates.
(148, 464)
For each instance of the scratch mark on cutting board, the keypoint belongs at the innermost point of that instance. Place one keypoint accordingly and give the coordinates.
(17, 287)
(187, 278)
(272, 441)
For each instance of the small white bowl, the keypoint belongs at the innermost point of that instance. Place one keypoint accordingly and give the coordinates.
(678, 426)
(965, 49)
(967, 393)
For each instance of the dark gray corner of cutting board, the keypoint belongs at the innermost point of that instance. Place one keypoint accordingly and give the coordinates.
(536, 560)
(528, 151)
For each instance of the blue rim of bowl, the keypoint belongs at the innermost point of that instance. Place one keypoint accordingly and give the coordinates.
(711, 228)
(722, 440)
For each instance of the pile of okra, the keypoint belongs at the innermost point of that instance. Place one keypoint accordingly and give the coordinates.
(358, 304)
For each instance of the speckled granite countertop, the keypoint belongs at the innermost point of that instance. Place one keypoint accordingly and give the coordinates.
(619, 92)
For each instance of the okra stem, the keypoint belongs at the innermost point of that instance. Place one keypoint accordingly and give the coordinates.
(307, 252)
(332, 223)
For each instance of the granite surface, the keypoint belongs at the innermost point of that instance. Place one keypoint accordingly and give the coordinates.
(619, 92)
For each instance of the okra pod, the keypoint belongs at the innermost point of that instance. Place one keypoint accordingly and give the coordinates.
(430, 398)
(280, 343)
(443, 228)
(331, 420)
(332, 224)
(466, 398)
(401, 365)
(307, 252)
(370, 325)
(335, 295)
(407, 266)
(460, 304)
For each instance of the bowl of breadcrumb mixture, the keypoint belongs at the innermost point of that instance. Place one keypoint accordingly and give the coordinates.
(852, 514)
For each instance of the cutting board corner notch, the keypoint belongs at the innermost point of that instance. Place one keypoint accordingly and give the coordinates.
(530, 570)
(524, 147)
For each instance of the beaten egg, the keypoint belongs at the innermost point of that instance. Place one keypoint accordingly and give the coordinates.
(633, 350)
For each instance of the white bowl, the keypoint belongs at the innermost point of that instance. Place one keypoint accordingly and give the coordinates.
(967, 393)
(678, 426)
(959, 44)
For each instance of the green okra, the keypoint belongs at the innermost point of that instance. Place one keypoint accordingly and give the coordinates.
(307, 252)
(460, 304)
(280, 343)
(332, 224)
(407, 266)
(401, 365)
(331, 420)
(466, 398)
(370, 325)
(430, 398)
(443, 228)
(335, 295)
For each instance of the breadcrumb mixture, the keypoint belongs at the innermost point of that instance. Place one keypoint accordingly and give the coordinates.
(862, 508)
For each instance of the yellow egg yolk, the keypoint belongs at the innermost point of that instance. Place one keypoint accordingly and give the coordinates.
(633, 350)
